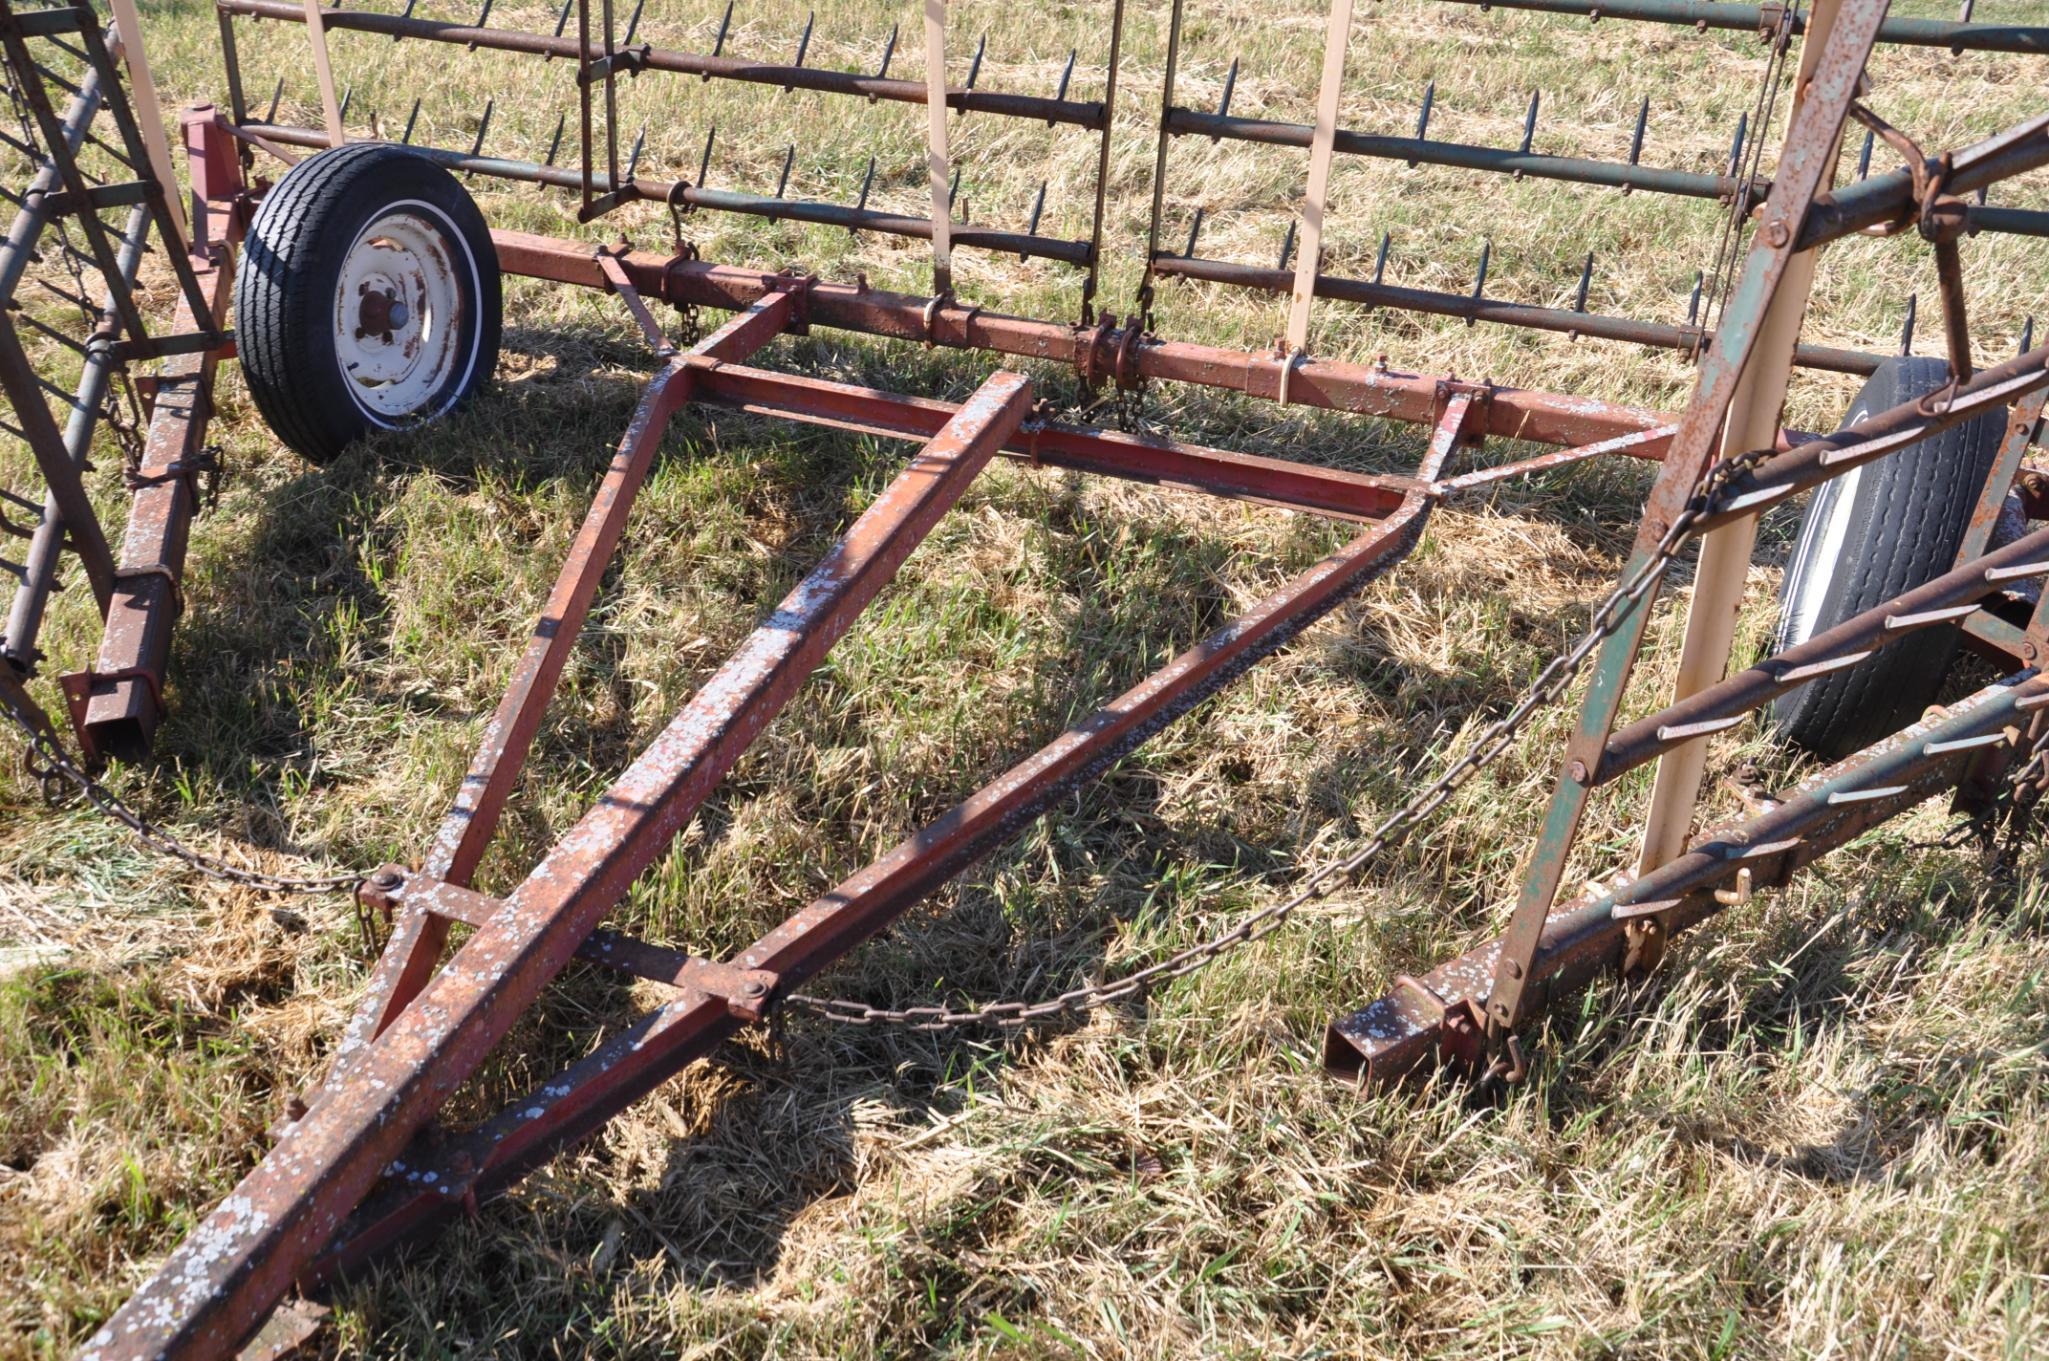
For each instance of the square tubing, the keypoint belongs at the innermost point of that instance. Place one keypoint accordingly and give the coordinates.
(220, 1284)
(122, 709)
(1807, 159)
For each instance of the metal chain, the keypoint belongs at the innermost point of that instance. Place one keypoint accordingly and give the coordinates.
(1495, 739)
(1748, 165)
(51, 768)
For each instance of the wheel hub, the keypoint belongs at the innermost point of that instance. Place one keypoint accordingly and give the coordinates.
(398, 314)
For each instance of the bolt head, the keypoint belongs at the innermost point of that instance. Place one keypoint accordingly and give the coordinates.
(754, 987)
(1777, 233)
(1578, 771)
(387, 878)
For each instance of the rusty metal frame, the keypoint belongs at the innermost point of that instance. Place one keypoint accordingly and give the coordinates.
(355, 1170)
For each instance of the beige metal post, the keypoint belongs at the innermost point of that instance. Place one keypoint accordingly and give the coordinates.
(936, 158)
(1753, 423)
(1321, 141)
(330, 107)
(149, 115)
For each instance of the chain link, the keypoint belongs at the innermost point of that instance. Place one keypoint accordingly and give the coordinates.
(52, 769)
(1496, 738)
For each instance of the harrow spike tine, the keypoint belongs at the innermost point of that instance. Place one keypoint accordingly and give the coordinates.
(1736, 143)
(484, 126)
(349, 94)
(1380, 260)
(1039, 206)
(483, 15)
(703, 162)
(1983, 190)
(804, 39)
(411, 5)
(1230, 86)
(953, 190)
(633, 23)
(1423, 118)
(1643, 119)
(277, 95)
(789, 161)
(562, 19)
(1693, 302)
(640, 145)
(1194, 231)
(2027, 334)
(1907, 327)
(867, 183)
(555, 142)
(1066, 75)
(1864, 156)
(1530, 122)
(718, 44)
(1287, 245)
(1586, 280)
(888, 55)
(414, 117)
(975, 66)
(1480, 277)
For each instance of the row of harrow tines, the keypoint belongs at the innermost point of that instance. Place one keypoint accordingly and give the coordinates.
(608, 172)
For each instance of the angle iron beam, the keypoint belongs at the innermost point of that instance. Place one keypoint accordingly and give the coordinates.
(1852, 640)
(721, 200)
(1434, 302)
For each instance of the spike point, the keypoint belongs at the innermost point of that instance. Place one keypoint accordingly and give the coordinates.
(1530, 123)
(1287, 245)
(1907, 327)
(1380, 261)
(1586, 279)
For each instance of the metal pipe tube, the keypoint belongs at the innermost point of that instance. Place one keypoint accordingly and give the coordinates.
(18, 249)
(1467, 307)
(1077, 113)
(1880, 626)
(32, 596)
(1967, 37)
(724, 200)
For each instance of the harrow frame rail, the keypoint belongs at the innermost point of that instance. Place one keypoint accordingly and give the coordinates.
(356, 1169)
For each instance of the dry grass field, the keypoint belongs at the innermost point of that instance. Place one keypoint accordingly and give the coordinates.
(1821, 1131)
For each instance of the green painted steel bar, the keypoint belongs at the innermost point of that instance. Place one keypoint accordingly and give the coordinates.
(1809, 156)
(1965, 37)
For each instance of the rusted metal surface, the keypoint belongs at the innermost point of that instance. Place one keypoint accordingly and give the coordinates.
(436, 1178)
(126, 681)
(224, 1279)
(1407, 1028)
(1360, 389)
(1280, 482)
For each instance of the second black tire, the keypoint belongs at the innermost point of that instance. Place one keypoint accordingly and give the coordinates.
(368, 298)
(1868, 536)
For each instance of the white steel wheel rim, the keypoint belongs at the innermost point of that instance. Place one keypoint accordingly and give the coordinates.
(399, 312)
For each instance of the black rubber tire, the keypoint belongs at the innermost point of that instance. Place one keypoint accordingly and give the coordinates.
(291, 267)
(1906, 516)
